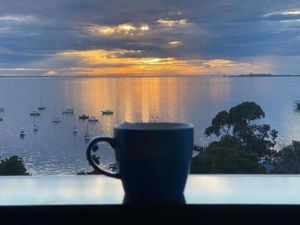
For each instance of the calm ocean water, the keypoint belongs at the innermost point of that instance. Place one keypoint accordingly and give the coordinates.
(54, 149)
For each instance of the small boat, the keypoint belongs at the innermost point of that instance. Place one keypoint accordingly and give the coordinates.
(93, 119)
(35, 128)
(68, 111)
(22, 133)
(56, 120)
(297, 105)
(41, 107)
(83, 117)
(1, 109)
(75, 130)
(107, 112)
(34, 113)
(87, 136)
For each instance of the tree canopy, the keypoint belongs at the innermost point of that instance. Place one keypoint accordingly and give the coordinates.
(13, 166)
(226, 157)
(242, 142)
(287, 160)
(239, 124)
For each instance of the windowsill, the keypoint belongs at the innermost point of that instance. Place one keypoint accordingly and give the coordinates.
(100, 190)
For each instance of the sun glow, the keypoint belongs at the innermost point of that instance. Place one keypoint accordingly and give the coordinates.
(292, 12)
(121, 62)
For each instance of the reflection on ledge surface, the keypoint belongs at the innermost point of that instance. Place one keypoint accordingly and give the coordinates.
(200, 189)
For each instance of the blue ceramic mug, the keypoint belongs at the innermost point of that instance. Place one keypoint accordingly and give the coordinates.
(153, 159)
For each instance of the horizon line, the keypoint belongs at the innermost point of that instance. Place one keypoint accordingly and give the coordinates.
(105, 76)
(147, 76)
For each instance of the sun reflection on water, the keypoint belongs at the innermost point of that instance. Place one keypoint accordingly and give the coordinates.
(142, 99)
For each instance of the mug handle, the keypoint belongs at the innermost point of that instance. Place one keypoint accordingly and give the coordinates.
(93, 147)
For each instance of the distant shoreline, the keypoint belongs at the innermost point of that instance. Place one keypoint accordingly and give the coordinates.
(261, 75)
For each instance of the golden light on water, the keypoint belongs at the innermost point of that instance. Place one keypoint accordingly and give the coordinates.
(138, 99)
(219, 88)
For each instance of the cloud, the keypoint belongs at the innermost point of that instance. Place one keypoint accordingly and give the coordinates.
(174, 44)
(172, 23)
(62, 35)
(119, 30)
(289, 15)
(5, 51)
(16, 18)
(21, 69)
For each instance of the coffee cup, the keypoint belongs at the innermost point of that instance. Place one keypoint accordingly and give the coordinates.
(152, 159)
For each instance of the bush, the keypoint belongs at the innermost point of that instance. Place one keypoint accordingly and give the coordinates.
(226, 158)
(13, 166)
(242, 143)
(287, 160)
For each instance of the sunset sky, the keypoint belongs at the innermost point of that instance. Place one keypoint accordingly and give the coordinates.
(139, 37)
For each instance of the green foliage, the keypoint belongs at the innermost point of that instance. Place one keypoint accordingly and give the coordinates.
(287, 160)
(238, 123)
(226, 156)
(245, 113)
(220, 125)
(241, 145)
(13, 166)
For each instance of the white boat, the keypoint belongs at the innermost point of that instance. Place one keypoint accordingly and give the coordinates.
(35, 128)
(75, 130)
(87, 136)
(22, 133)
(41, 107)
(68, 111)
(93, 119)
(56, 120)
(34, 113)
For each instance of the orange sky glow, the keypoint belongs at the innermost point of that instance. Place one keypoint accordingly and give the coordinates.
(116, 62)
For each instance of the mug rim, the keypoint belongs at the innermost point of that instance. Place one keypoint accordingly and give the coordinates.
(153, 126)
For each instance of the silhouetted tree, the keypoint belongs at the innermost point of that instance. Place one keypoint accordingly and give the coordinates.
(13, 166)
(241, 145)
(238, 123)
(226, 156)
(287, 160)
